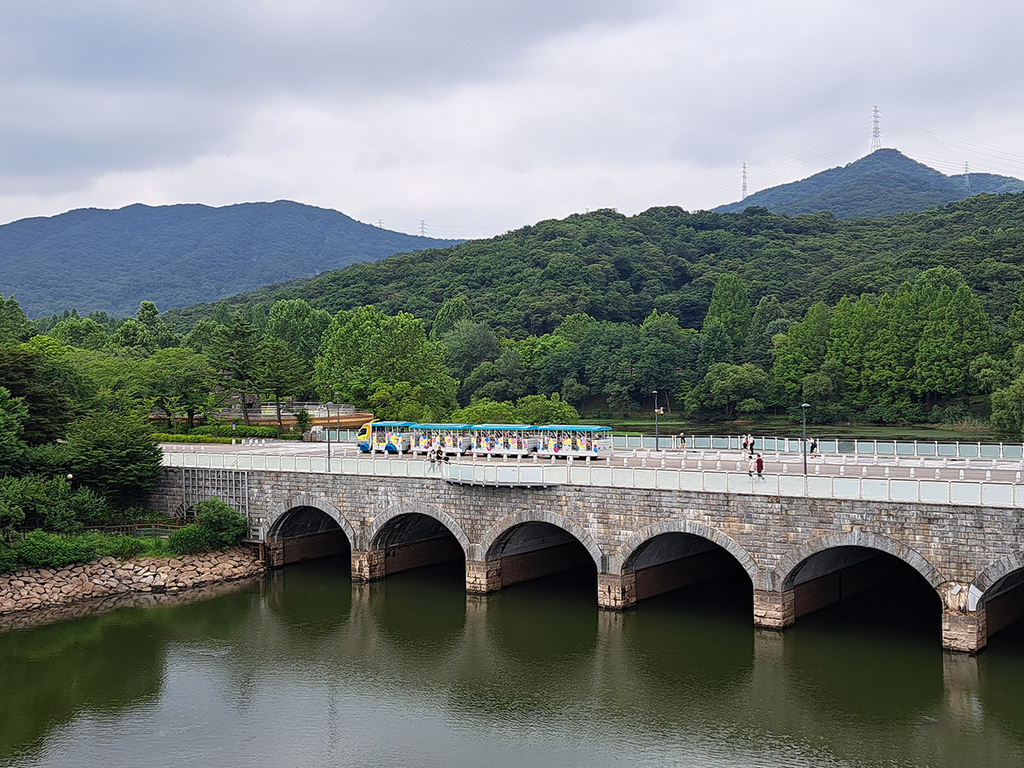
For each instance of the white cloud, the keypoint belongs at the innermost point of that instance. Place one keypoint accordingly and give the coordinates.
(479, 117)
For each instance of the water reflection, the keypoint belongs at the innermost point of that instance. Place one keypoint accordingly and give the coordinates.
(306, 668)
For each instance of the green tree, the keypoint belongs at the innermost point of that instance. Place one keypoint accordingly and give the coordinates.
(81, 332)
(801, 351)
(715, 347)
(281, 373)
(13, 415)
(448, 316)
(467, 345)
(370, 358)
(485, 411)
(957, 332)
(14, 326)
(730, 305)
(298, 325)
(1008, 408)
(177, 381)
(116, 455)
(538, 409)
(236, 356)
(726, 386)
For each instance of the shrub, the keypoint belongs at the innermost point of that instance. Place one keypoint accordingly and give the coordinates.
(40, 549)
(223, 524)
(120, 546)
(189, 540)
(8, 559)
(164, 437)
(226, 430)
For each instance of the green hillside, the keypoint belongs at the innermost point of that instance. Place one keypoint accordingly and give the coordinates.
(884, 183)
(101, 260)
(619, 268)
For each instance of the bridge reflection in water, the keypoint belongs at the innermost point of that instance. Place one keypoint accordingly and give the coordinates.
(306, 667)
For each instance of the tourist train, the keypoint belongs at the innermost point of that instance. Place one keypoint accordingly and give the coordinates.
(506, 440)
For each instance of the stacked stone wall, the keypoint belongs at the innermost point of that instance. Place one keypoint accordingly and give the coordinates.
(50, 587)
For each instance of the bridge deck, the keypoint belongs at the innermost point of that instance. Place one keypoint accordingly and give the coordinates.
(989, 482)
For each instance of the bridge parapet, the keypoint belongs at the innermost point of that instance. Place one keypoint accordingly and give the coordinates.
(542, 474)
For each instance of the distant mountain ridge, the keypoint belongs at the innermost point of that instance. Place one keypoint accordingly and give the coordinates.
(177, 255)
(884, 183)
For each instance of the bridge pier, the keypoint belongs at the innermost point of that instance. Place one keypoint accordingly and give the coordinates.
(483, 576)
(964, 631)
(367, 566)
(616, 592)
(774, 609)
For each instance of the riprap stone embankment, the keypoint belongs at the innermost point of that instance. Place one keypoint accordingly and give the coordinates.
(49, 587)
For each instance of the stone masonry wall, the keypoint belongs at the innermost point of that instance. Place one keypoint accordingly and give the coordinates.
(768, 535)
(46, 588)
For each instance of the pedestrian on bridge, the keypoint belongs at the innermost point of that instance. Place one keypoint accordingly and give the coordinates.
(760, 467)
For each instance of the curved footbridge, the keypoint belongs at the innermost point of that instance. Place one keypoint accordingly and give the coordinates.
(648, 522)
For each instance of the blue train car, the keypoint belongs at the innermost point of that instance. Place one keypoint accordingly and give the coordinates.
(503, 439)
(449, 438)
(574, 440)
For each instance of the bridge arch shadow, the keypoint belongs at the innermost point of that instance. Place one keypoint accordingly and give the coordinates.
(998, 591)
(840, 566)
(679, 553)
(306, 528)
(403, 538)
(532, 544)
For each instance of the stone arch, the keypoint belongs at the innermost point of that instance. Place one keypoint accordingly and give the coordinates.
(493, 533)
(995, 571)
(856, 538)
(395, 510)
(280, 511)
(618, 561)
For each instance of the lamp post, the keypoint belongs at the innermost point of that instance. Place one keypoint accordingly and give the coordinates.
(329, 404)
(337, 396)
(803, 413)
(655, 393)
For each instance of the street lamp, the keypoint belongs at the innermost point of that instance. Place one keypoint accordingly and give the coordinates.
(803, 413)
(337, 396)
(656, 412)
(329, 404)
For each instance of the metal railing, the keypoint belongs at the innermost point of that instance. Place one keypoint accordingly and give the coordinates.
(598, 473)
(833, 446)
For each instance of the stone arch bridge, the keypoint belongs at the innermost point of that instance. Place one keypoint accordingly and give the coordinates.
(800, 551)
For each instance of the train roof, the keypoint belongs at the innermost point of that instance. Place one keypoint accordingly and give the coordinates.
(504, 427)
(441, 426)
(573, 428)
(376, 424)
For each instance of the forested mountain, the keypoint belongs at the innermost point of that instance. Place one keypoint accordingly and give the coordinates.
(919, 316)
(884, 183)
(103, 260)
(619, 268)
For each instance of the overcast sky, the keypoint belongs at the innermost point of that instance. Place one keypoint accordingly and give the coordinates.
(479, 116)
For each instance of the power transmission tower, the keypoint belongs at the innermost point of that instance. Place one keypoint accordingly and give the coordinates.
(423, 228)
(744, 196)
(967, 175)
(380, 223)
(876, 129)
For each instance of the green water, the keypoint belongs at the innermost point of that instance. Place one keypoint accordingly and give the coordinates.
(305, 669)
